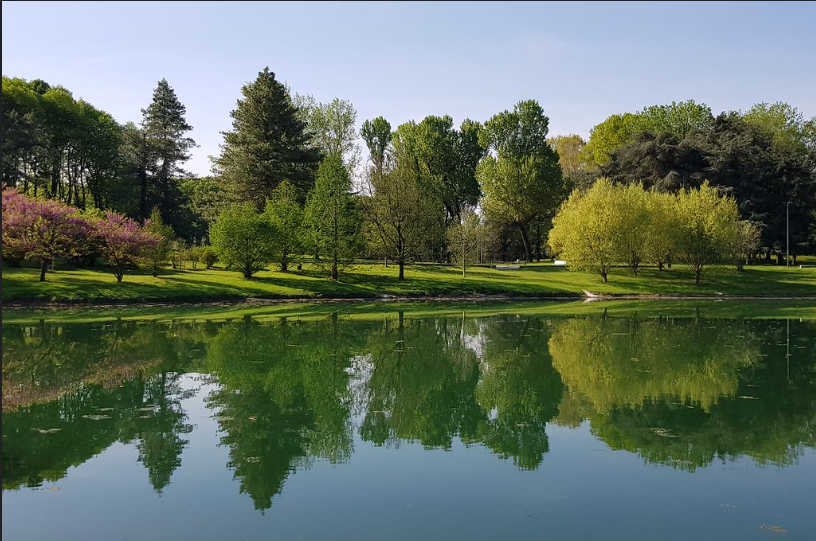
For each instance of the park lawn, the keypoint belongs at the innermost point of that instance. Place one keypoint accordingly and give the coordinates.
(371, 281)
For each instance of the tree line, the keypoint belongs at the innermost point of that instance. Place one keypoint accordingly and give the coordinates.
(289, 183)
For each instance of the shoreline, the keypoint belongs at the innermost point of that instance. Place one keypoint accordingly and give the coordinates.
(263, 301)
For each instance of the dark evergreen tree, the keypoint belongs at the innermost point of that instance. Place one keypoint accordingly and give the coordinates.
(267, 144)
(661, 161)
(167, 148)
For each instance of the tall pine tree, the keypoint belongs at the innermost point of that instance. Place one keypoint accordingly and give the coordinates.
(166, 148)
(267, 144)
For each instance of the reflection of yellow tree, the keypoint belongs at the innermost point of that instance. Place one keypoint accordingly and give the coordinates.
(627, 362)
(767, 410)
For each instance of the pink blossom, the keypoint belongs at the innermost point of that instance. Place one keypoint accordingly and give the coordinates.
(42, 229)
(123, 240)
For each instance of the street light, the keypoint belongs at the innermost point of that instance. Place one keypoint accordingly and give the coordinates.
(787, 234)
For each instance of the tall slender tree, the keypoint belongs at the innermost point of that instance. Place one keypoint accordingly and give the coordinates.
(330, 216)
(164, 128)
(377, 136)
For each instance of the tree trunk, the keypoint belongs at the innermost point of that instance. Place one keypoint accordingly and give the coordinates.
(43, 269)
(143, 193)
(284, 265)
(603, 275)
(698, 272)
(401, 270)
(119, 273)
(464, 261)
(526, 241)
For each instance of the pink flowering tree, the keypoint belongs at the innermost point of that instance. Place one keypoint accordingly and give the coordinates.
(41, 229)
(122, 241)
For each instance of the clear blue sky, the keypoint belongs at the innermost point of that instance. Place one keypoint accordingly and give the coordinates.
(404, 61)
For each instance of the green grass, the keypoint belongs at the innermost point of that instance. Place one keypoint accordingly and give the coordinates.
(371, 310)
(370, 281)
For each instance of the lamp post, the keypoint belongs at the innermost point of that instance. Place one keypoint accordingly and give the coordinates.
(787, 234)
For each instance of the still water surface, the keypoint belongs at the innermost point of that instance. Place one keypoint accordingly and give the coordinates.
(504, 427)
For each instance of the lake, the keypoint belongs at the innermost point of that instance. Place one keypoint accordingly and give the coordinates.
(396, 426)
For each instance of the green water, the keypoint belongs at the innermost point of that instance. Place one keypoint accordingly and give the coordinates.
(502, 427)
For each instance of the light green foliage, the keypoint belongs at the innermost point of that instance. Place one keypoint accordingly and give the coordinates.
(208, 256)
(377, 136)
(243, 239)
(783, 124)
(679, 119)
(521, 180)
(155, 256)
(286, 215)
(587, 230)
(463, 240)
(332, 127)
(745, 243)
(398, 215)
(636, 224)
(612, 133)
(569, 148)
(707, 227)
(329, 214)
(610, 223)
(662, 228)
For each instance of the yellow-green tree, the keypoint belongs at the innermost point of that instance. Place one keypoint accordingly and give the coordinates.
(707, 227)
(587, 229)
(745, 243)
(636, 224)
(662, 228)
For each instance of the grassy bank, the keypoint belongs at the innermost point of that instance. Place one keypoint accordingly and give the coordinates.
(370, 310)
(371, 281)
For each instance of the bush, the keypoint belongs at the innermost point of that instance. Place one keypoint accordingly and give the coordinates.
(208, 256)
(244, 239)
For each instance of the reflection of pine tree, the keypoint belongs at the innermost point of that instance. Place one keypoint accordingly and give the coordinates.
(266, 441)
(160, 444)
(284, 399)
